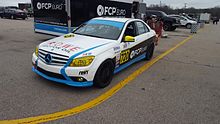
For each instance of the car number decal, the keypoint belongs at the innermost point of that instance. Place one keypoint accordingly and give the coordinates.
(124, 57)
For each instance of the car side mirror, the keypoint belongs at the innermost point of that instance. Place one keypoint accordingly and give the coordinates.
(129, 39)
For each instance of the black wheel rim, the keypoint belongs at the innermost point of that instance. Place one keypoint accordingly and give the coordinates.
(166, 27)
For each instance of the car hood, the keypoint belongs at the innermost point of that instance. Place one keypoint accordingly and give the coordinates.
(192, 22)
(72, 44)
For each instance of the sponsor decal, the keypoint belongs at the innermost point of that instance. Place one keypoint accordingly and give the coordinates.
(110, 11)
(117, 60)
(62, 46)
(117, 49)
(124, 57)
(68, 35)
(84, 72)
(126, 45)
(86, 54)
(135, 53)
(49, 6)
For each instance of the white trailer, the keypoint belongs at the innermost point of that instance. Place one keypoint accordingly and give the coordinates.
(205, 17)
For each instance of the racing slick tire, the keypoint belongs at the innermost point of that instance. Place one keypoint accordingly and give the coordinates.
(150, 52)
(104, 74)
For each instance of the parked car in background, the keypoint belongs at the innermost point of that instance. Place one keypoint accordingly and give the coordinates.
(13, 13)
(190, 18)
(170, 23)
(1, 11)
(184, 21)
(27, 7)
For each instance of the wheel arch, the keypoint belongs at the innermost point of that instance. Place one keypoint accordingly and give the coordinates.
(101, 58)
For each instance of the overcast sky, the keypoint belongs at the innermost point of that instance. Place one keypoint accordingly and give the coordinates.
(172, 3)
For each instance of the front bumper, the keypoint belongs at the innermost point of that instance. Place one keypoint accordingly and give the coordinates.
(67, 76)
(67, 82)
(176, 25)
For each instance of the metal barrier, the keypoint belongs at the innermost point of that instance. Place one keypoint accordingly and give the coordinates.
(195, 27)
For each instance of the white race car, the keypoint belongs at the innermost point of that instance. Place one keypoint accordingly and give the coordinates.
(94, 52)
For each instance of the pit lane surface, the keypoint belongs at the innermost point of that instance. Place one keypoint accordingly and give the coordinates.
(183, 87)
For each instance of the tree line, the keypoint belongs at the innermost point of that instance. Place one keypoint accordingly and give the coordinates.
(215, 12)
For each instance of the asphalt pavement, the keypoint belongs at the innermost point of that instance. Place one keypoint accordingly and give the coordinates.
(182, 88)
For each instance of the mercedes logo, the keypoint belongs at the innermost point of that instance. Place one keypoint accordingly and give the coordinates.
(48, 58)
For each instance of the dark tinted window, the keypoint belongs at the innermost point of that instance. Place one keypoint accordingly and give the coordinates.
(131, 30)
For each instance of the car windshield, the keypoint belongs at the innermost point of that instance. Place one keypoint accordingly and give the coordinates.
(189, 18)
(164, 14)
(101, 28)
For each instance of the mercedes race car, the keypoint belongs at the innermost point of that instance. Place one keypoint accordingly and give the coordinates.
(94, 52)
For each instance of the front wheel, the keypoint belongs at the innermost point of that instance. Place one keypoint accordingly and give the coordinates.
(104, 74)
(12, 17)
(150, 52)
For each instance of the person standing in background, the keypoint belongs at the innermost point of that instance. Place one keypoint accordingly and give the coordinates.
(215, 20)
(152, 21)
(157, 26)
(159, 29)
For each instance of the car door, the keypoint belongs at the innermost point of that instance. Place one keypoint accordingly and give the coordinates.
(183, 21)
(143, 39)
(125, 47)
(143, 36)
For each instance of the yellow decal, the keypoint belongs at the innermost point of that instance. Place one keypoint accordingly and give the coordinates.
(68, 35)
(124, 56)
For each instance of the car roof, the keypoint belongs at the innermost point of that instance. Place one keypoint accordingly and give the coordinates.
(153, 11)
(115, 19)
(173, 15)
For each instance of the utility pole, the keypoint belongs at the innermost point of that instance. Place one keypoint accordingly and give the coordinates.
(185, 5)
(160, 4)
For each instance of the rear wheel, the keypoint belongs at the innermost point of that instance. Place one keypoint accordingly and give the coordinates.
(188, 26)
(173, 28)
(150, 52)
(104, 74)
(167, 27)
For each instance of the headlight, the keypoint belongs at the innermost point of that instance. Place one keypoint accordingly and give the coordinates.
(81, 62)
(36, 51)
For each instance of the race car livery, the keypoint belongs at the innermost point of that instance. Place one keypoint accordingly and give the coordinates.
(94, 52)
